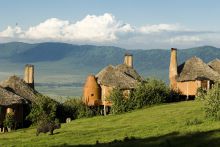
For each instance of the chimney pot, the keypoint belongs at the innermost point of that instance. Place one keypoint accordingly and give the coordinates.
(29, 75)
(128, 60)
(173, 68)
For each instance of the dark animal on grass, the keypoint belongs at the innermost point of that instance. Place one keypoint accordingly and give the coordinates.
(47, 127)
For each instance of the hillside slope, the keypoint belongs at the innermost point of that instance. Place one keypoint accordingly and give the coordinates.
(163, 125)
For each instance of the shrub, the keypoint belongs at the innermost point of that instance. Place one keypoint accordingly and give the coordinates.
(212, 102)
(9, 120)
(75, 108)
(147, 93)
(119, 102)
(201, 93)
(43, 109)
(150, 92)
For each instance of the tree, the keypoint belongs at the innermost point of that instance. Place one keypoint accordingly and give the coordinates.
(75, 108)
(150, 92)
(9, 120)
(212, 102)
(43, 109)
(119, 102)
(146, 93)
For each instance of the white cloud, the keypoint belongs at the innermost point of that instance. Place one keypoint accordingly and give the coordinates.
(10, 32)
(50, 29)
(184, 39)
(160, 28)
(92, 28)
(106, 29)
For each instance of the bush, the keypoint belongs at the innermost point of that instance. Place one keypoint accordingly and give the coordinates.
(75, 108)
(9, 120)
(212, 102)
(43, 109)
(201, 93)
(119, 102)
(150, 92)
(147, 93)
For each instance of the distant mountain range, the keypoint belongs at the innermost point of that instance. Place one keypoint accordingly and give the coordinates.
(61, 62)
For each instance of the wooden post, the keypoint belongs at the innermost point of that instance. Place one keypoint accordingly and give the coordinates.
(104, 109)
(187, 91)
(208, 85)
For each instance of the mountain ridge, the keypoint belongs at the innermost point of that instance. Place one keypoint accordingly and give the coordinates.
(97, 56)
(85, 59)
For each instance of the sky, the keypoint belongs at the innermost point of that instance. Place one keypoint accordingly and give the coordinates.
(132, 24)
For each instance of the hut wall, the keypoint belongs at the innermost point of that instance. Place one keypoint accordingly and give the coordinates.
(189, 87)
(106, 90)
(91, 91)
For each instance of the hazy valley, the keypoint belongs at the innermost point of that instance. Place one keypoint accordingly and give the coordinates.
(61, 69)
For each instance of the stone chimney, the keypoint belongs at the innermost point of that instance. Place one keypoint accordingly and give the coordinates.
(128, 60)
(29, 75)
(173, 68)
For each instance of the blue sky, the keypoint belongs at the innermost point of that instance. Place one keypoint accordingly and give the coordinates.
(186, 23)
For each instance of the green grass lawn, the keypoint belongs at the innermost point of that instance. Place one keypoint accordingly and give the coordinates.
(163, 125)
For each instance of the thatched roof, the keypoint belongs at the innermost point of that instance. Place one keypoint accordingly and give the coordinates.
(129, 71)
(8, 98)
(120, 76)
(215, 65)
(194, 68)
(19, 87)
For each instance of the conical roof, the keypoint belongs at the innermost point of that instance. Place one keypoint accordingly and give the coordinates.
(194, 68)
(114, 77)
(215, 65)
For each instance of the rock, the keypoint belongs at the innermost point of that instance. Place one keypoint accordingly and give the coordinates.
(68, 120)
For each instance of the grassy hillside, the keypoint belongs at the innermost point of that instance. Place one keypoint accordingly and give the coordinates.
(163, 125)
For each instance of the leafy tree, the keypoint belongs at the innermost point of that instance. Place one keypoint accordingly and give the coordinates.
(150, 92)
(212, 102)
(75, 108)
(119, 102)
(147, 93)
(43, 109)
(9, 120)
(201, 93)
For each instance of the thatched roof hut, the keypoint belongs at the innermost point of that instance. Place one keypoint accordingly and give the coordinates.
(129, 71)
(194, 69)
(8, 98)
(18, 86)
(215, 65)
(120, 76)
